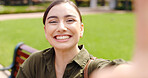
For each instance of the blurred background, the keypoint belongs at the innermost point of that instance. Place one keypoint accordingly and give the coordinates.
(109, 27)
(23, 6)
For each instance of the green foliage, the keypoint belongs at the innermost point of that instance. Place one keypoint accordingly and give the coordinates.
(83, 3)
(23, 9)
(108, 36)
(73, 1)
(123, 6)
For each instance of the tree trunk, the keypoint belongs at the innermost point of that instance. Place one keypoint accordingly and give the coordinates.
(126, 4)
(93, 3)
(117, 2)
(30, 2)
(7, 2)
(102, 2)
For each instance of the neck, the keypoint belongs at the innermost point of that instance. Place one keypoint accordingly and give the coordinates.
(62, 58)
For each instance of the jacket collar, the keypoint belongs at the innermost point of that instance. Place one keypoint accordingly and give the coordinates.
(81, 58)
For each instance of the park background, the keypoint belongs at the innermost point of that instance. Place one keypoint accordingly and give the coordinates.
(109, 32)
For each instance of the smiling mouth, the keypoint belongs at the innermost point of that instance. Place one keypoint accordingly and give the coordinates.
(62, 37)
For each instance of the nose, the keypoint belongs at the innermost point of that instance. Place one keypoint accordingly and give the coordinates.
(61, 27)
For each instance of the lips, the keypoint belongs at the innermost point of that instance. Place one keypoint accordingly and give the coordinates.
(62, 37)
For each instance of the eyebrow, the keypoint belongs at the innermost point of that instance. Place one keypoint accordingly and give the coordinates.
(52, 17)
(69, 16)
(64, 16)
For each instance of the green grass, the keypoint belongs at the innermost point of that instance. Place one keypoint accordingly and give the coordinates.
(108, 36)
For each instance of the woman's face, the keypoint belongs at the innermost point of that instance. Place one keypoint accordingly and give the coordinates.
(63, 27)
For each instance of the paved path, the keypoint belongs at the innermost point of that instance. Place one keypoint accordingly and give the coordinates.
(83, 11)
(4, 74)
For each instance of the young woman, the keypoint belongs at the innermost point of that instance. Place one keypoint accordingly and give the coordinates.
(63, 28)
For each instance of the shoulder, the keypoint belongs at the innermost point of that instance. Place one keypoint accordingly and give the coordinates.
(33, 60)
(106, 68)
(26, 70)
(103, 63)
(36, 57)
(30, 65)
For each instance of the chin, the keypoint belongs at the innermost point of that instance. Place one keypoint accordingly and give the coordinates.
(64, 46)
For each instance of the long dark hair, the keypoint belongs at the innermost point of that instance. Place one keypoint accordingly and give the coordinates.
(56, 2)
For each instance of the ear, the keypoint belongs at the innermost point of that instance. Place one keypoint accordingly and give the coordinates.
(81, 30)
(45, 32)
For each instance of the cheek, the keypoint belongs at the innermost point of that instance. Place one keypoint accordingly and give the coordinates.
(75, 30)
(49, 30)
(76, 27)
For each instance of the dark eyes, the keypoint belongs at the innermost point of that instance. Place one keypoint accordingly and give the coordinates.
(70, 20)
(52, 22)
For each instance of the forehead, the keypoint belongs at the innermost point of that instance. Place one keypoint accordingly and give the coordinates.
(62, 10)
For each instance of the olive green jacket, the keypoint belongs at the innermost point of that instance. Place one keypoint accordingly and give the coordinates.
(41, 65)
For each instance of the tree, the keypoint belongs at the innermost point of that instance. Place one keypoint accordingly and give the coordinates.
(30, 2)
(6, 2)
(102, 2)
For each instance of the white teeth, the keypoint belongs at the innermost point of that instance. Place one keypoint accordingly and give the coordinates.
(62, 37)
